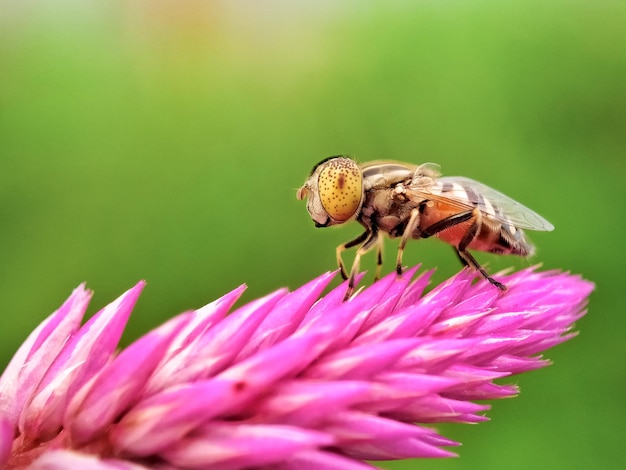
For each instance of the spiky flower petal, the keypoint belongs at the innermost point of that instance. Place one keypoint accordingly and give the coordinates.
(286, 381)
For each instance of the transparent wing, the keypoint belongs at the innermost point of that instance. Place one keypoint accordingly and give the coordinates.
(467, 193)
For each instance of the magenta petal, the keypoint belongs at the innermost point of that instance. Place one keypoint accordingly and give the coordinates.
(545, 343)
(347, 318)
(33, 358)
(234, 446)
(91, 415)
(410, 384)
(357, 426)
(388, 287)
(435, 354)
(328, 304)
(415, 290)
(7, 433)
(336, 327)
(83, 355)
(517, 365)
(362, 432)
(299, 402)
(166, 417)
(435, 408)
(320, 460)
(387, 294)
(361, 361)
(65, 460)
(202, 319)
(395, 449)
(469, 376)
(217, 347)
(473, 302)
(485, 391)
(410, 321)
(397, 441)
(389, 291)
(489, 348)
(283, 361)
(286, 315)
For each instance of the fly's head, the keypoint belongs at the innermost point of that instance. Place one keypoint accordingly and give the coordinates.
(334, 190)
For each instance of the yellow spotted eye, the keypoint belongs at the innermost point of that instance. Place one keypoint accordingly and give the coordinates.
(340, 187)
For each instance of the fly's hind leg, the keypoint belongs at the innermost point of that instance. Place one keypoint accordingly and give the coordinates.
(461, 259)
(467, 259)
(410, 228)
(344, 246)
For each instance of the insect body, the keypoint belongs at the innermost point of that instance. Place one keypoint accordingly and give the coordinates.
(410, 201)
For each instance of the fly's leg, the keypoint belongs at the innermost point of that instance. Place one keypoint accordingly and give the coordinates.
(379, 258)
(410, 228)
(466, 258)
(461, 259)
(469, 260)
(364, 248)
(344, 246)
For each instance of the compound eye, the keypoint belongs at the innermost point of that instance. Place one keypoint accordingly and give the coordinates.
(340, 187)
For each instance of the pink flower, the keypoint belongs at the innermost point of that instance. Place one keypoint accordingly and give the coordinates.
(286, 381)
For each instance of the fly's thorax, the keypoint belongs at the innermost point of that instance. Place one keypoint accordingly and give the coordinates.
(384, 174)
(388, 209)
(334, 190)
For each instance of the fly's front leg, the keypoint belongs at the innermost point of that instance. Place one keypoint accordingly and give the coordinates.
(414, 220)
(344, 246)
(371, 240)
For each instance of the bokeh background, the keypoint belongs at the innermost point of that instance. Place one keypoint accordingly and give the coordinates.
(164, 140)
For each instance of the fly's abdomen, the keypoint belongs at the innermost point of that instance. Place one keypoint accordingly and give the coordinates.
(514, 241)
(502, 239)
(497, 233)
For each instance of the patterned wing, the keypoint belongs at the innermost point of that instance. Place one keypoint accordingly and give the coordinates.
(467, 193)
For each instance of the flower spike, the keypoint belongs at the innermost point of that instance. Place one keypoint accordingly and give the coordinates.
(288, 381)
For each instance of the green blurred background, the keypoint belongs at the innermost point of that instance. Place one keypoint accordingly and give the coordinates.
(164, 140)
